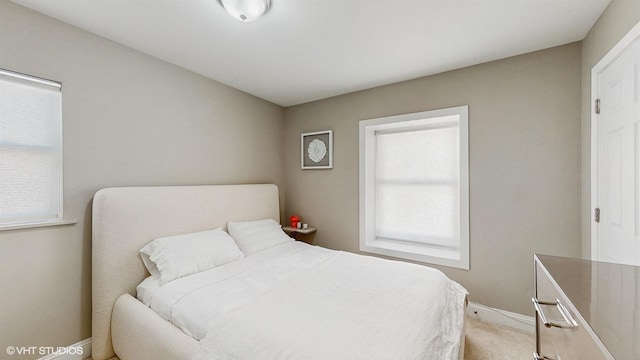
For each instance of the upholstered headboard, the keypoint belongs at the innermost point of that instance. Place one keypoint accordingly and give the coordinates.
(127, 218)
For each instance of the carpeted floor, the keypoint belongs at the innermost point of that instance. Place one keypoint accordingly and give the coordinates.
(494, 342)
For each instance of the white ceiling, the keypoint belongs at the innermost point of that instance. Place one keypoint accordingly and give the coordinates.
(305, 50)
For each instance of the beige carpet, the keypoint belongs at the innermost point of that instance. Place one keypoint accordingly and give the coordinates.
(494, 342)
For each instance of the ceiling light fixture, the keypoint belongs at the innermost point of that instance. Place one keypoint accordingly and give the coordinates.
(246, 10)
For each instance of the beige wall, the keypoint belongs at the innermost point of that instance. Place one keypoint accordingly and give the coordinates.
(524, 125)
(129, 119)
(619, 17)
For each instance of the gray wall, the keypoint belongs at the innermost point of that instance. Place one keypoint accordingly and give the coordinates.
(619, 17)
(524, 126)
(129, 119)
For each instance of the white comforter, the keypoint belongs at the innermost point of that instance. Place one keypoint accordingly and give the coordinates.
(301, 302)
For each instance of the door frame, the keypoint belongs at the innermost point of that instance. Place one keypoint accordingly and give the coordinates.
(611, 56)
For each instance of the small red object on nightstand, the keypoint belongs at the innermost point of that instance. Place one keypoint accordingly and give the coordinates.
(294, 219)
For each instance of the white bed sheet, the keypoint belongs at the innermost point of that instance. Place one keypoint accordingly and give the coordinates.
(194, 302)
(347, 307)
(277, 304)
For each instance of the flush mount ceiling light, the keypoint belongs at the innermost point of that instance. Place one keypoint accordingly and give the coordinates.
(246, 10)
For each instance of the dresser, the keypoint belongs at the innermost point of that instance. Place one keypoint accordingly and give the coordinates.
(586, 309)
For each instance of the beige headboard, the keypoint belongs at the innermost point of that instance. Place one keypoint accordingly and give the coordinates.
(127, 218)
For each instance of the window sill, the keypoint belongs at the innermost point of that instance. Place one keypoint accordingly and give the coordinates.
(436, 256)
(37, 225)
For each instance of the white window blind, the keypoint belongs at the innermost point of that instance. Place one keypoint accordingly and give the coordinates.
(30, 150)
(414, 192)
(417, 185)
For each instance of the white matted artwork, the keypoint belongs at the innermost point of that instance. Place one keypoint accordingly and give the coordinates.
(317, 150)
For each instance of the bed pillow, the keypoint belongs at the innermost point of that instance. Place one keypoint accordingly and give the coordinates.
(150, 265)
(173, 257)
(254, 236)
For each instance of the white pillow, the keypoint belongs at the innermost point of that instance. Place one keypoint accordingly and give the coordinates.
(254, 236)
(150, 265)
(173, 257)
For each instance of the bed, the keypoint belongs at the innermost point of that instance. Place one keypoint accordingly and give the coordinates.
(278, 322)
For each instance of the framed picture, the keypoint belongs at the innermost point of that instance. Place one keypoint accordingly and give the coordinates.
(317, 150)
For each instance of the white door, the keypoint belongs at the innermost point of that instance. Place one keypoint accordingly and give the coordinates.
(618, 167)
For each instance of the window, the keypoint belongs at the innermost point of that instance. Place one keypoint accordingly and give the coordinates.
(414, 186)
(30, 150)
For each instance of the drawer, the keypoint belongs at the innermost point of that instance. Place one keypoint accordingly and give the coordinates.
(573, 342)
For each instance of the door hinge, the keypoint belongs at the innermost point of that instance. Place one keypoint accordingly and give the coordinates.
(597, 215)
(597, 107)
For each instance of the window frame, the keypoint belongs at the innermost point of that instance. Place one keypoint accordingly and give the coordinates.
(367, 187)
(34, 221)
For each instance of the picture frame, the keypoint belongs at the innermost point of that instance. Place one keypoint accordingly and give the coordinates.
(316, 150)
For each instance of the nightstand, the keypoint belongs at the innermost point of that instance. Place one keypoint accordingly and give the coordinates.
(300, 234)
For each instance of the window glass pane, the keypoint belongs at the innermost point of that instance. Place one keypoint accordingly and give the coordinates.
(419, 213)
(419, 155)
(30, 149)
(29, 114)
(29, 183)
(417, 184)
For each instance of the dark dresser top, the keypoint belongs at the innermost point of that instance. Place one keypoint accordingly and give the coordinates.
(606, 295)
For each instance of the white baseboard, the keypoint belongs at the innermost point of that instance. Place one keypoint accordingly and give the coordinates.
(78, 351)
(501, 317)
